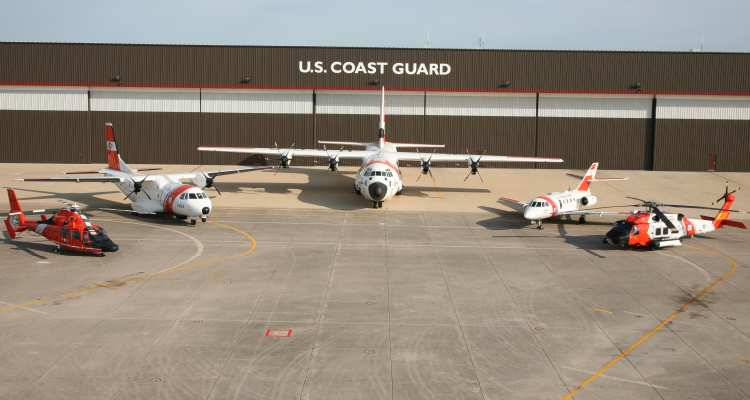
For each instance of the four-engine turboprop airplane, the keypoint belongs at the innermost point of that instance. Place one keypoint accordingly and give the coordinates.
(154, 193)
(565, 203)
(379, 178)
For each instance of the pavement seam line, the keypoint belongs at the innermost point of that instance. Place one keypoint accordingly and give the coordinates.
(142, 277)
(664, 323)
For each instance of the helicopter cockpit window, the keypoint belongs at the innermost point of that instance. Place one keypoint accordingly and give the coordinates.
(85, 236)
(75, 235)
(635, 230)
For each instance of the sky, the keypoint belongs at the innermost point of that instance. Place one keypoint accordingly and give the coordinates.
(654, 25)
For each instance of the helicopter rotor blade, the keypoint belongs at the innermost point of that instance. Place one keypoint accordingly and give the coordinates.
(664, 218)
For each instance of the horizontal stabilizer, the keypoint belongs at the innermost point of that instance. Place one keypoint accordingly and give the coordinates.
(80, 172)
(729, 222)
(148, 169)
(579, 177)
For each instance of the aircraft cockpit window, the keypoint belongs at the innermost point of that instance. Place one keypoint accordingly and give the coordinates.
(202, 196)
(85, 236)
(182, 196)
(192, 196)
(635, 230)
(379, 173)
(75, 235)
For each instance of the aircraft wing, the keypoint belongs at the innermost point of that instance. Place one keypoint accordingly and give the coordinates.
(77, 180)
(599, 213)
(192, 175)
(414, 156)
(291, 153)
(516, 202)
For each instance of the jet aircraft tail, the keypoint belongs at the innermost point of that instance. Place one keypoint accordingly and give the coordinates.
(114, 160)
(590, 177)
(16, 220)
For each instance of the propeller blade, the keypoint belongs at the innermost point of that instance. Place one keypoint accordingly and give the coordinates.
(467, 176)
(480, 175)
(217, 189)
(482, 155)
(664, 218)
(126, 197)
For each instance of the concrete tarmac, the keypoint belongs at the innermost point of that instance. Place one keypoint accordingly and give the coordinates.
(296, 288)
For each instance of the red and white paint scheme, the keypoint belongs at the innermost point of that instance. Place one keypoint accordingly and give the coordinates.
(69, 229)
(656, 229)
(565, 203)
(153, 193)
(379, 178)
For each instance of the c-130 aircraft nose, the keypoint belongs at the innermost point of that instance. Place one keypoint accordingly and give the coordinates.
(377, 190)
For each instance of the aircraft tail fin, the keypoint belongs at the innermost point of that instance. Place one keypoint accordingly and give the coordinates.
(15, 221)
(114, 161)
(590, 177)
(721, 218)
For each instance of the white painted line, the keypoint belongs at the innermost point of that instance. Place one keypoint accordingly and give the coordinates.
(25, 308)
(705, 273)
(616, 379)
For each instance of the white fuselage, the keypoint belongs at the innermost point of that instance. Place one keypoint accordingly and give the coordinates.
(165, 195)
(379, 178)
(556, 203)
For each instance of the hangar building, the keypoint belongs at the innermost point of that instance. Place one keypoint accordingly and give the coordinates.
(675, 111)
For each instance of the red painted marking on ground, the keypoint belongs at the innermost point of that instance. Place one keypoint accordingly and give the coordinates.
(279, 333)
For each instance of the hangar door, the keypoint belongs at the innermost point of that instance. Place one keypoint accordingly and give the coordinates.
(615, 130)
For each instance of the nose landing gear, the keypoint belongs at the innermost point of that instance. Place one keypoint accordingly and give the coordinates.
(203, 219)
(538, 223)
(377, 204)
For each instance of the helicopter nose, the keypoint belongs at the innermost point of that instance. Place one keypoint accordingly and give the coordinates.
(377, 190)
(108, 246)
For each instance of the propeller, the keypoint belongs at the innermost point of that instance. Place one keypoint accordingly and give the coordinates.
(284, 158)
(137, 185)
(726, 193)
(426, 165)
(474, 165)
(210, 182)
(333, 161)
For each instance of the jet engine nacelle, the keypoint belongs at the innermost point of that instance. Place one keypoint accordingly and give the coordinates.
(588, 200)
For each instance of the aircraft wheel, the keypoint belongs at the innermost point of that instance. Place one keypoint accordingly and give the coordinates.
(101, 254)
(57, 251)
(203, 219)
(582, 220)
(193, 221)
(651, 246)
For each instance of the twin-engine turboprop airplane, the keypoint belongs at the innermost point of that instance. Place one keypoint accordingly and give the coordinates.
(565, 203)
(656, 229)
(154, 193)
(68, 229)
(379, 178)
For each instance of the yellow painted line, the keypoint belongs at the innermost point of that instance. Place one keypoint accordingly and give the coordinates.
(596, 309)
(102, 286)
(217, 277)
(627, 195)
(729, 180)
(618, 358)
(690, 298)
(145, 276)
(436, 189)
(355, 216)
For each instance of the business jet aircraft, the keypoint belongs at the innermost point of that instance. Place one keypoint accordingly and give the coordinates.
(565, 203)
(379, 178)
(153, 193)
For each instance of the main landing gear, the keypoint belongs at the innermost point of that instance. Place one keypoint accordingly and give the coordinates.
(377, 204)
(57, 250)
(582, 220)
(193, 221)
(102, 254)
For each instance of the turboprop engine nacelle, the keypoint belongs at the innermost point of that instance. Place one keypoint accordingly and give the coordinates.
(199, 180)
(588, 200)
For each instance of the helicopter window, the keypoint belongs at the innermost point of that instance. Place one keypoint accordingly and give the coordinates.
(635, 230)
(75, 235)
(64, 232)
(192, 196)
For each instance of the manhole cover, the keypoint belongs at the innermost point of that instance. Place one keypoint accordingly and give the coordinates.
(539, 328)
(370, 303)
(197, 321)
(369, 351)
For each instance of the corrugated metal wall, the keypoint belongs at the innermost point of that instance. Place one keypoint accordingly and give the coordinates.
(148, 137)
(684, 145)
(254, 130)
(44, 137)
(617, 143)
(171, 99)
